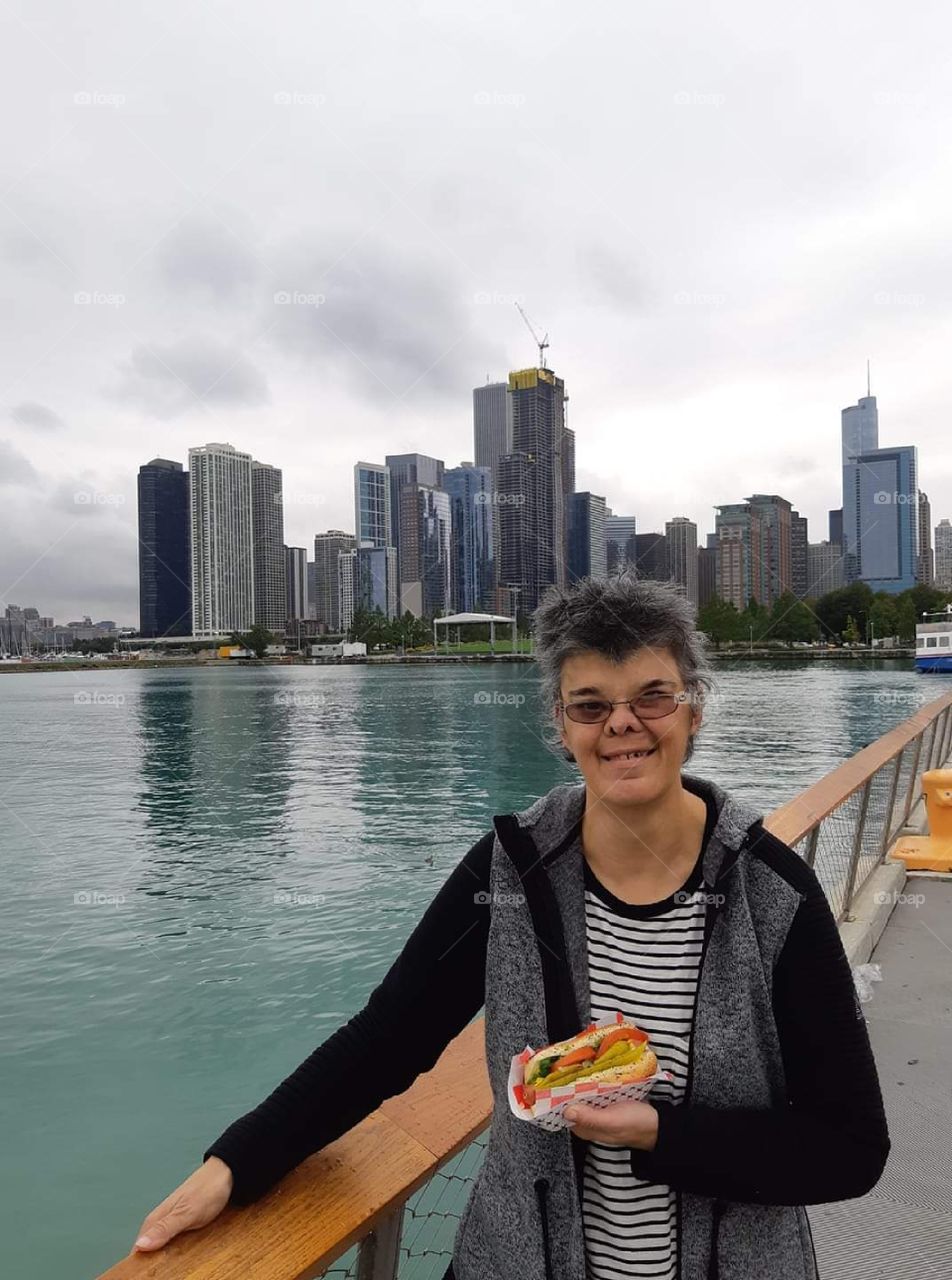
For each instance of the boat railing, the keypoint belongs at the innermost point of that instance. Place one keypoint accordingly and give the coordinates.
(384, 1200)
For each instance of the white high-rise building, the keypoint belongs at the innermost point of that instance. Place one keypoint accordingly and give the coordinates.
(222, 546)
(372, 519)
(267, 527)
(943, 555)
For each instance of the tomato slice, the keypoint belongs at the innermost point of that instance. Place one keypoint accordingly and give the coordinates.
(585, 1054)
(621, 1033)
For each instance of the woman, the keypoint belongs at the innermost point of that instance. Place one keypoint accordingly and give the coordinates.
(643, 889)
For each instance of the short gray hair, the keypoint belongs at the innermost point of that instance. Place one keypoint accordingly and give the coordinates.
(614, 618)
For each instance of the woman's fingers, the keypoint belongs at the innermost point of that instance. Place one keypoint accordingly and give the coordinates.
(194, 1204)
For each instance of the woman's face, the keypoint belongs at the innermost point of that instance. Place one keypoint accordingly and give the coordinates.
(600, 750)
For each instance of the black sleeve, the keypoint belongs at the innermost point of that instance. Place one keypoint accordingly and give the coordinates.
(830, 1141)
(434, 989)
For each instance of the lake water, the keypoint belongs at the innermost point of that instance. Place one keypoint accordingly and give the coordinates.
(155, 985)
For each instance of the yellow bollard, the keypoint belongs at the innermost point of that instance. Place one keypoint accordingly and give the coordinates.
(934, 851)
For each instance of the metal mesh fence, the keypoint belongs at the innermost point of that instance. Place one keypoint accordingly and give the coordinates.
(430, 1220)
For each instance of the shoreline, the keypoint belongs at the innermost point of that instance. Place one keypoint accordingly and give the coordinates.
(442, 659)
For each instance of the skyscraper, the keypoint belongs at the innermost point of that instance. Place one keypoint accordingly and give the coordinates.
(887, 514)
(586, 554)
(651, 556)
(531, 504)
(492, 441)
(681, 538)
(925, 564)
(799, 540)
(267, 526)
(424, 561)
(295, 563)
(492, 424)
(472, 519)
(773, 569)
(620, 533)
(222, 555)
(407, 472)
(859, 433)
(739, 553)
(824, 569)
(165, 597)
(368, 581)
(943, 555)
(372, 519)
(326, 599)
(706, 574)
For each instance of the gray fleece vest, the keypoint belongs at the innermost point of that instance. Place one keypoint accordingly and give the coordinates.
(523, 1220)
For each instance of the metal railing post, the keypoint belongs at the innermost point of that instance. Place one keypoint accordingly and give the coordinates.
(888, 824)
(946, 738)
(809, 854)
(378, 1255)
(912, 781)
(857, 846)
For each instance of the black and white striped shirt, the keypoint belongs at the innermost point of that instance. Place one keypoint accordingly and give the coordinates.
(642, 960)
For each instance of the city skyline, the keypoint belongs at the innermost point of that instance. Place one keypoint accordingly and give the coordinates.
(173, 284)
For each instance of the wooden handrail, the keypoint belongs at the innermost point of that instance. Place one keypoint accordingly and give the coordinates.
(337, 1196)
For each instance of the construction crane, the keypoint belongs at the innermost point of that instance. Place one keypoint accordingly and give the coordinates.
(540, 344)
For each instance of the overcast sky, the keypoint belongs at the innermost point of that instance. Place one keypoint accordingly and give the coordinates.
(716, 213)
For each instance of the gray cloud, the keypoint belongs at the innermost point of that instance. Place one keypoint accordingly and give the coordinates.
(203, 257)
(31, 414)
(15, 468)
(167, 380)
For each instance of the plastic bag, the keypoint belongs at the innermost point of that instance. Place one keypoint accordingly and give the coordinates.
(864, 975)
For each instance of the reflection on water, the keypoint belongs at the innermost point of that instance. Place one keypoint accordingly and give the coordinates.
(262, 843)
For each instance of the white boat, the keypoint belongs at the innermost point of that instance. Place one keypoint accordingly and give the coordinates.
(934, 642)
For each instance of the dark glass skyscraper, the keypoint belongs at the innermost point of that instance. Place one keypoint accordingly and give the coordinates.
(165, 596)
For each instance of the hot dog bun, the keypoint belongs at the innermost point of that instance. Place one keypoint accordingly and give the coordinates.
(580, 1041)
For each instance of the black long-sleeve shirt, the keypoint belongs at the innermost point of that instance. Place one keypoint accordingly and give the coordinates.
(829, 1143)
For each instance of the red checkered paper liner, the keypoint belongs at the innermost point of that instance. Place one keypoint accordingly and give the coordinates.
(550, 1103)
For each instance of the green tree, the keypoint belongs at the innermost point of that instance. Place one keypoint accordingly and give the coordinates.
(791, 619)
(256, 640)
(884, 615)
(851, 632)
(720, 621)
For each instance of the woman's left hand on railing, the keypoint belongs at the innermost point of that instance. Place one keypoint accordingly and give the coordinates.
(194, 1204)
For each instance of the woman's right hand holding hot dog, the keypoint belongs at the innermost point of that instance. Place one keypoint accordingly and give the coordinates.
(194, 1204)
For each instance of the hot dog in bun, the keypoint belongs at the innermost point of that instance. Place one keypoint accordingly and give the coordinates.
(615, 1054)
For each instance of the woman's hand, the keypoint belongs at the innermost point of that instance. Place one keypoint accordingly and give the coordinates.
(620, 1124)
(199, 1199)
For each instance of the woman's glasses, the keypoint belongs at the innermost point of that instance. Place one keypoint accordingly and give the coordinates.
(647, 706)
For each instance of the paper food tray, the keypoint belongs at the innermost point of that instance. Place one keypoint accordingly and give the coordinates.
(550, 1103)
